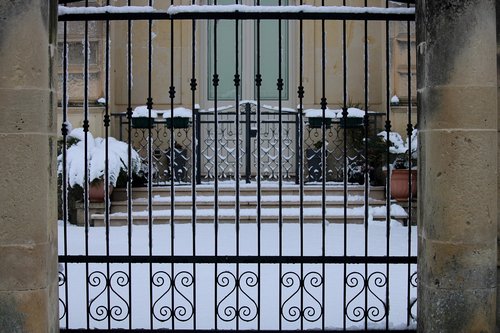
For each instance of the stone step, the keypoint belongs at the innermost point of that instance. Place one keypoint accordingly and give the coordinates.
(267, 188)
(268, 215)
(227, 202)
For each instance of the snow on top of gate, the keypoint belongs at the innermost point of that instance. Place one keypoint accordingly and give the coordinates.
(105, 9)
(173, 10)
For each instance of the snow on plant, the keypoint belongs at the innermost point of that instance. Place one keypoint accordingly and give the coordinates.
(400, 148)
(96, 159)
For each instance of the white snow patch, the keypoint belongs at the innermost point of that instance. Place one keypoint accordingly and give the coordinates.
(394, 99)
(142, 111)
(318, 113)
(178, 112)
(353, 113)
(173, 10)
(63, 10)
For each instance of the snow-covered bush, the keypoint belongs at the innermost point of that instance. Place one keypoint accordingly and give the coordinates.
(399, 148)
(96, 155)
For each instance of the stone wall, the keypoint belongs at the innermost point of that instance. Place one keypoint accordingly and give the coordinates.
(498, 175)
(28, 237)
(457, 202)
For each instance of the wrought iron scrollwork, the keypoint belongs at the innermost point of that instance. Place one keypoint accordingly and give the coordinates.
(413, 302)
(162, 280)
(312, 309)
(98, 308)
(63, 309)
(374, 313)
(185, 309)
(247, 309)
(182, 280)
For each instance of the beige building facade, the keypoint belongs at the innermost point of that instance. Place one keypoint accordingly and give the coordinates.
(379, 91)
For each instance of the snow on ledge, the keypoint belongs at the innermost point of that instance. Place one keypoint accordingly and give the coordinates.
(105, 10)
(143, 111)
(173, 10)
(178, 112)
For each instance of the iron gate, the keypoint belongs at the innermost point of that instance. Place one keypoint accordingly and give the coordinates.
(245, 253)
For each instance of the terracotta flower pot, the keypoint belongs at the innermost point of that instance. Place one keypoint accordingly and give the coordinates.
(96, 191)
(400, 186)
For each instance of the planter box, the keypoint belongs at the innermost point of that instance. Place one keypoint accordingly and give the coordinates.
(177, 122)
(351, 122)
(143, 122)
(318, 122)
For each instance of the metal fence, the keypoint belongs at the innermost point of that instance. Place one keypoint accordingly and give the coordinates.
(276, 233)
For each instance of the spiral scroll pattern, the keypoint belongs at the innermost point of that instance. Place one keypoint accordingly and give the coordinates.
(182, 309)
(63, 309)
(182, 282)
(98, 305)
(246, 309)
(412, 311)
(161, 311)
(376, 309)
(310, 308)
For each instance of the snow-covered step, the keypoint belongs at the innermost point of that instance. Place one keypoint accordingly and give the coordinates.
(267, 188)
(267, 201)
(268, 215)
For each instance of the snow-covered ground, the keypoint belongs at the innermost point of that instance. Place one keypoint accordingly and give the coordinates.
(141, 278)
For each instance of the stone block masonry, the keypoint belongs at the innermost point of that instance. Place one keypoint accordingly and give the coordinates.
(28, 228)
(457, 202)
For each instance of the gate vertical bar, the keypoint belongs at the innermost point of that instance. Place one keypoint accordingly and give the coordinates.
(129, 155)
(237, 166)
(106, 170)
(280, 159)
(365, 122)
(323, 160)
(248, 147)
(86, 157)
(344, 115)
(215, 82)
(150, 169)
(409, 140)
(258, 82)
(388, 181)
(64, 132)
(195, 156)
(300, 155)
(171, 92)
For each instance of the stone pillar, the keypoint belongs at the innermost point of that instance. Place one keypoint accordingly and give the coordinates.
(457, 201)
(28, 220)
(498, 175)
